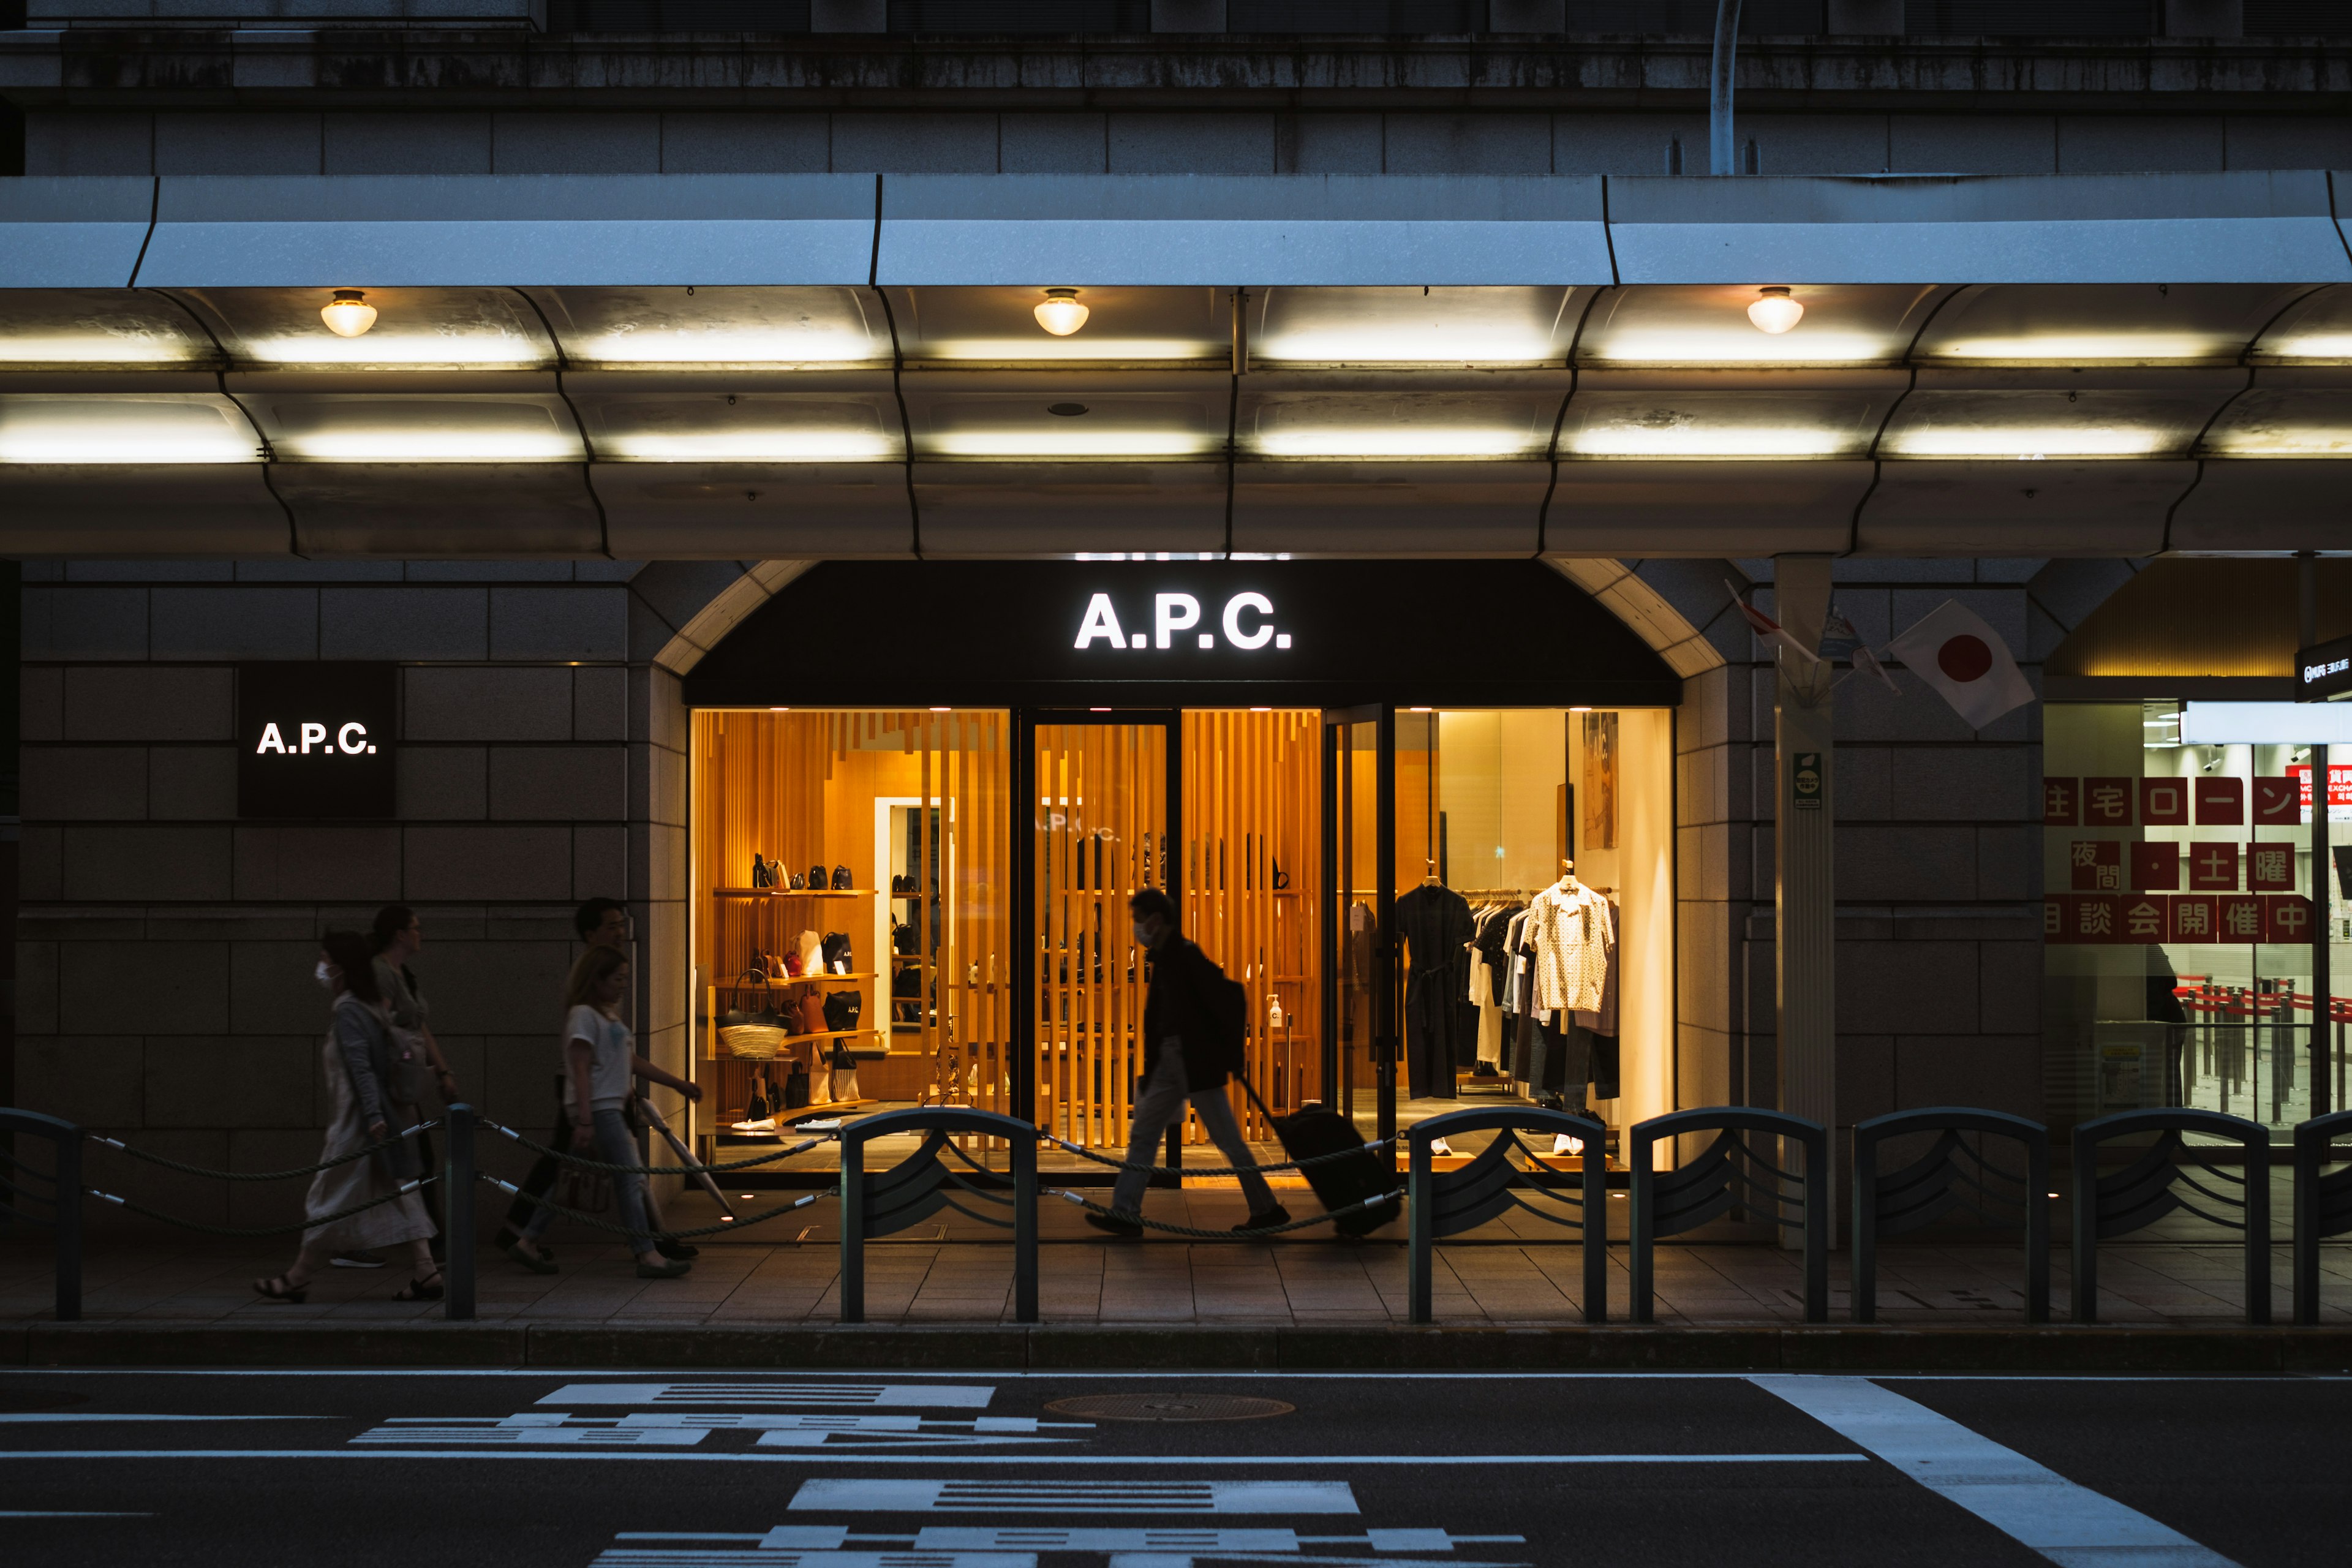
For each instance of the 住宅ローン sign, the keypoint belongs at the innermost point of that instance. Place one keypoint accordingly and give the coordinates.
(316, 740)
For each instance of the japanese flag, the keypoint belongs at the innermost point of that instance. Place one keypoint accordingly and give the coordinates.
(1965, 661)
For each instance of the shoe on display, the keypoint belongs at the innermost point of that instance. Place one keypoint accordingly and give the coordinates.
(1440, 1146)
(1485, 1070)
(359, 1260)
(1117, 1224)
(1274, 1216)
(1561, 1144)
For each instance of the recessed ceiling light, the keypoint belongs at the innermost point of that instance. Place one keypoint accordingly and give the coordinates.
(1066, 410)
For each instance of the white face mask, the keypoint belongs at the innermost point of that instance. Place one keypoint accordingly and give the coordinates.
(324, 975)
(1142, 934)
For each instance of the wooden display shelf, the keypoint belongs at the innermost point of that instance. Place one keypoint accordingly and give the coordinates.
(798, 1114)
(792, 892)
(772, 981)
(713, 1052)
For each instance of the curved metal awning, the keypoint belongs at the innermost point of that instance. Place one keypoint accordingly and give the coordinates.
(732, 365)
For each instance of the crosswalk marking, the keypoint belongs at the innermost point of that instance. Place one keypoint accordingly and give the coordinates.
(2071, 1525)
(692, 1557)
(561, 1437)
(771, 1393)
(910, 1494)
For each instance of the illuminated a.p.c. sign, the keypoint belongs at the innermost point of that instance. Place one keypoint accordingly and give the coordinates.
(1247, 623)
(316, 740)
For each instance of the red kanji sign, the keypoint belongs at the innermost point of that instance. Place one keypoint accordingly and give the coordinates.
(2213, 867)
(2239, 919)
(2220, 803)
(2053, 917)
(2286, 917)
(2163, 802)
(2144, 919)
(2270, 868)
(2107, 802)
(2097, 865)
(2092, 918)
(2193, 917)
(2156, 867)
(2062, 802)
(2278, 803)
(2339, 782)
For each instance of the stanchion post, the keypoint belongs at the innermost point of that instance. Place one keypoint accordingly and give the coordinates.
(1594, 1200)
(853, 1227)
(68, 1169)
(1024, 1231)
(457, 1204)
(1419, 1244)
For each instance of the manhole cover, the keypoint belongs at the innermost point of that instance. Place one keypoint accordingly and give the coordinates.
(40, 1399)
(1169, 1407)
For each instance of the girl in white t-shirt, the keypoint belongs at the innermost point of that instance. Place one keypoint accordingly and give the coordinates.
(600, 1061)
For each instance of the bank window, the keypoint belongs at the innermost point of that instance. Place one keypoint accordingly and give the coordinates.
(2181, 905)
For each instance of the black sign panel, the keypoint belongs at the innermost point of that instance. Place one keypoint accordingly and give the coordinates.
(2324, 672)
(316, 740)
(1305, 633)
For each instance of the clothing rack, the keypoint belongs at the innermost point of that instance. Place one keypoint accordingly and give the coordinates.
(1475, 894)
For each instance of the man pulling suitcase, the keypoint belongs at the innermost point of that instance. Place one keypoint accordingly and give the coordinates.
(1191, 1045)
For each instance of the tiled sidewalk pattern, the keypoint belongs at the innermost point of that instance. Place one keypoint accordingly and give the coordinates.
(942, 1275)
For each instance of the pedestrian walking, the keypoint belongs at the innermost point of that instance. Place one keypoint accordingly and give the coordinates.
(1187, 1058)
(395, 938)
(357, 1061)
(600, 1066)
(601, 922)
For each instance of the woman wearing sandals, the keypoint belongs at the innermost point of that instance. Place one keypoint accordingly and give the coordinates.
(357, 1061)
(600, 1058)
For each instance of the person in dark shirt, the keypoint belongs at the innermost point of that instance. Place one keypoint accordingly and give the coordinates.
(1186, 1060)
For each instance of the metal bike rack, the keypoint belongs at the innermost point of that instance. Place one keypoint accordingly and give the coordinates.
(1448, 1202)
(2323, 1205)
(1728, 1174)
(1951, 1175)
(919, 1187)
(2144, 1191)
(64, 1176)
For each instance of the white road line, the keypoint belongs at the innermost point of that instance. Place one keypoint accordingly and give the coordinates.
(64, 1513)
(915, 1494)
(766, 1391)
(2071, 1525)
(105, 1415)
(1055, 1461)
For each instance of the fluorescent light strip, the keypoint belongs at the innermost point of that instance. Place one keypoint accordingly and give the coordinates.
(103, 350)
(1431, 347)
(2071, 348)
(752, 446)
(2028, 443)
(1792, 441)
(1081, 348)
(727, 346)
(376, 349)
(1074, 443)
(432, 447)
(1398, 441)
(1744, 345)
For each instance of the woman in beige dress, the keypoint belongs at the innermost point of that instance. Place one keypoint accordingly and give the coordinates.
(357, 1060)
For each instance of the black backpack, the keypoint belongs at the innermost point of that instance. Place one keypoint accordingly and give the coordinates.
(1227, 1001)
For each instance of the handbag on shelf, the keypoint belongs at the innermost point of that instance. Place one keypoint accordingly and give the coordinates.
(808, 1012)
(837, 952)
(762, 874)
(811, 950)
(796, 883)
(817, 878)
(842, 1010)
(902, 938)
(795, 1092)
(841, 878)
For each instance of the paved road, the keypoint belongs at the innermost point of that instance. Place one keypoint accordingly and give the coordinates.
(941, 1470)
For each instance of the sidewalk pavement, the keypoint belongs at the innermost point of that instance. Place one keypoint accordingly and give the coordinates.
(1511, 1273)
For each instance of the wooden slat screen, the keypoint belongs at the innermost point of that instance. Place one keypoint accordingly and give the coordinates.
(1252, 807)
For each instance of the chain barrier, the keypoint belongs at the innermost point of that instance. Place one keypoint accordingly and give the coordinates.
(1364, 1206)
(723, 1228)
(1376, 1147)
(585, 1163)
(307, 1223)
(258, 1175)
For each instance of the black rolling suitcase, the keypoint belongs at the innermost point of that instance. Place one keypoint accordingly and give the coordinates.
(1338, 1183)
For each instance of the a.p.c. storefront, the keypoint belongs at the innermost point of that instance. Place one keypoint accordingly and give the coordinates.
(921, 794)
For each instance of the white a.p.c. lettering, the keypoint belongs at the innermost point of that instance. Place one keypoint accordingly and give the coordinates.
(271, 741)
(1101, 621)
(1173, 612)
(1234, 607)
(352, 739)
(313, 735)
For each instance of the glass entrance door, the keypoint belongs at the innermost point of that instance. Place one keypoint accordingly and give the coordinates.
(1102, 792)
(1359, 1054)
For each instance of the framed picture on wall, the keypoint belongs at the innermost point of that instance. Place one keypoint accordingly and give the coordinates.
(1599, 789)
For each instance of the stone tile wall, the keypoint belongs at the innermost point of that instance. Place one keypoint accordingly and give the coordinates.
(166, 948)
